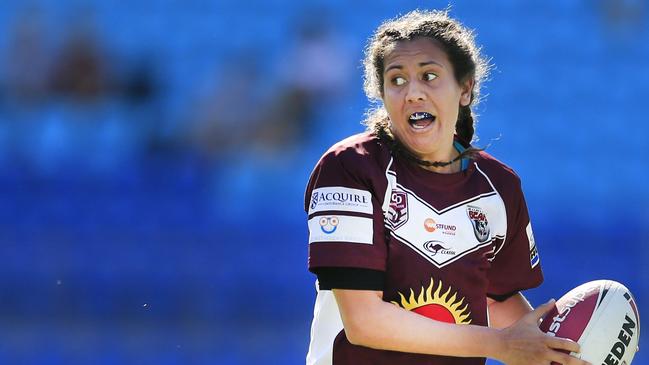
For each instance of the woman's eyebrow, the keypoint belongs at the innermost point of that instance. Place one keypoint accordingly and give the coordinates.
(398, 67)
(421, 64)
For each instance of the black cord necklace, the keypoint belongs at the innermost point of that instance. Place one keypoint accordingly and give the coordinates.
(397, 148)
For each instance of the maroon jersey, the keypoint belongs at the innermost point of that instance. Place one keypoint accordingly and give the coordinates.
(444, 241)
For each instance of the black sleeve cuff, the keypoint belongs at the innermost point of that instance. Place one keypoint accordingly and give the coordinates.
(502, 297)
(349, 278)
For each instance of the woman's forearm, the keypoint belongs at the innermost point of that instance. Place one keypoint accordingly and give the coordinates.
(504, 314)
(381, 325)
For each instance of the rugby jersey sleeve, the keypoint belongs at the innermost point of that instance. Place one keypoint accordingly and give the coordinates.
(516, 265)
(345, 219)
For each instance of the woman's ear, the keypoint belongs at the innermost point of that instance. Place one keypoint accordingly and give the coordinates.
(467, 91)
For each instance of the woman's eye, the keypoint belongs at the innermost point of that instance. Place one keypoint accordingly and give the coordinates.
(429, 76)
(398, 81)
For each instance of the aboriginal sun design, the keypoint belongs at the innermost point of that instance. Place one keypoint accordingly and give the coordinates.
(446, 307)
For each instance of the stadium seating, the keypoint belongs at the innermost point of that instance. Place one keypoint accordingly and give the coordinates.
(124, 244)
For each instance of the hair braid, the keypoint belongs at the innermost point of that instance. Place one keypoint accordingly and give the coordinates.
(465, 127)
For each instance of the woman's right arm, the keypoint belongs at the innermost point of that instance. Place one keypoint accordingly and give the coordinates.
(371, 322)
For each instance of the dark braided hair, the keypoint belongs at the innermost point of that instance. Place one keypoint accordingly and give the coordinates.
(458, 43)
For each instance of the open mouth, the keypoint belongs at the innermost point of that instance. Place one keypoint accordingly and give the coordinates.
(421, 120)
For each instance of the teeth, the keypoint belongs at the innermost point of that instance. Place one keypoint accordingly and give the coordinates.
(419, 116)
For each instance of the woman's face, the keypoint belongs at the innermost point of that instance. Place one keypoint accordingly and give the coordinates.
(422, 97)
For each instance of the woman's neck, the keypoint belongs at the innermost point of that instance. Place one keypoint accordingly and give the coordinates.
(453, 167)
(450, 164)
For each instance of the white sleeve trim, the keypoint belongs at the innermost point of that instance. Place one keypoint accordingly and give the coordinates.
(341, 228)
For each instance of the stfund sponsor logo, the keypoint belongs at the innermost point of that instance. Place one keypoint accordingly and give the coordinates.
(622, 344)
(328, 225)
(437, 247)
(479, 222)
(559, 318)
(340, 198)
(398, 210)
(431, 226)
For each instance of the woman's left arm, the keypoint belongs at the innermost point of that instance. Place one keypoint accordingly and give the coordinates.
(504, 314)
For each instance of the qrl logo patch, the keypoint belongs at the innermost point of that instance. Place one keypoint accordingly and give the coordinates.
(480, 223)
(398, 211)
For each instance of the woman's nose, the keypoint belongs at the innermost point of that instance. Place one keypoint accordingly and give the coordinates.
(415, 92)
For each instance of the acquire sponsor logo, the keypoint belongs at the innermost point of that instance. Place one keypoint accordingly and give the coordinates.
(340, 198)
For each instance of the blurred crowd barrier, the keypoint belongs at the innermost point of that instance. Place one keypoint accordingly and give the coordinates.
(154, 154)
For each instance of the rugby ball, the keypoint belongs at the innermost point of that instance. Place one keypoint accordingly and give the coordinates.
(602, 316)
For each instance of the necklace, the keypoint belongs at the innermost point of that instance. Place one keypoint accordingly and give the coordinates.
(398, 148)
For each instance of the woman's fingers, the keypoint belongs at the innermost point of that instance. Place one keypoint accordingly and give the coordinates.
(540, 311)
(558, 343)
(565, 359)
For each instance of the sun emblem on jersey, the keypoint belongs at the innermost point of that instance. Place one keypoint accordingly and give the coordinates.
(440, 307)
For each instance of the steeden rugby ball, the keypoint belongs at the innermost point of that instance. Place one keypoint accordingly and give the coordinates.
(602, 316)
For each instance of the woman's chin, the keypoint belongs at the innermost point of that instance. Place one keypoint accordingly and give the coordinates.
(422, 146)
(430, 149)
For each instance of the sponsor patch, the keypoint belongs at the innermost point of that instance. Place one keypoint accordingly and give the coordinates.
(480, 223)
(341, 228)
(328, 225)
(398, 211)
(340, 199)
(534, 252)
(437, 247)
(431, 226)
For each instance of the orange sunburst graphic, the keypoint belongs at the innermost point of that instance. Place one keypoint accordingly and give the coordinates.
(438, 307)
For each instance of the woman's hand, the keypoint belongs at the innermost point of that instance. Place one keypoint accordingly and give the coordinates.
(523, 343)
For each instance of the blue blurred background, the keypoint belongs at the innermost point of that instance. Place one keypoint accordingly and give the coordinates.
(154, 153)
